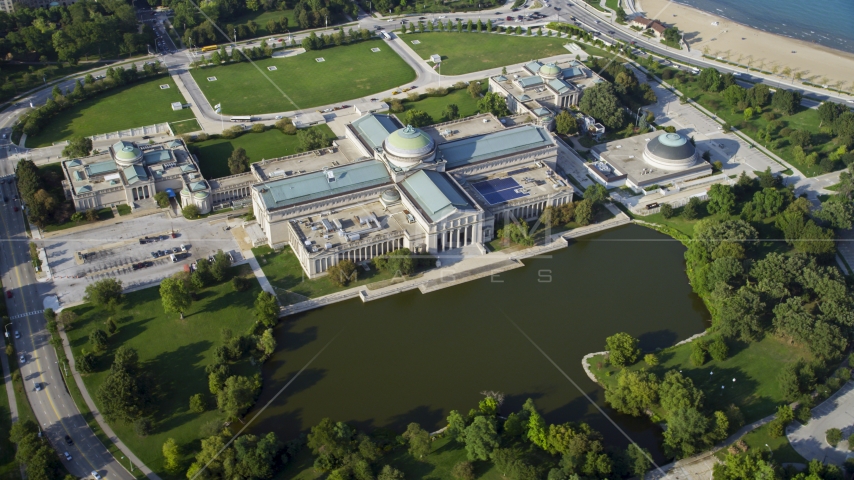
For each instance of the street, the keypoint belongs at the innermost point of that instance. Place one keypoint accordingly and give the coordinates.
(53, 406)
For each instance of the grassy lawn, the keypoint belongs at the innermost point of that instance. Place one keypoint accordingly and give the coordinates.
(804, 118)
(434, 106)
(781, 449)
(103, 214)
(164, 342)
(754, 366)
(39, 74)
(123, 209)
(261, 18)
(348, 72)
(213, 154)
(499, 243)
(472, 52)
(284, 271)
(136, 105)
(185, 126)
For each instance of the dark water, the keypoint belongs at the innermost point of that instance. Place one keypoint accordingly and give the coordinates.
(827, 22)
(414, 357)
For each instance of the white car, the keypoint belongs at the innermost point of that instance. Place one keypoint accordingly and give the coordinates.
(96, 475)
(68, 456)
(23, 359)
(736, 74)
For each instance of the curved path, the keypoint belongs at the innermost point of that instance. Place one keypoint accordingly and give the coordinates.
(835, 412)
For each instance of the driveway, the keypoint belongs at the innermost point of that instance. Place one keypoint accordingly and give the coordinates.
(835, 412)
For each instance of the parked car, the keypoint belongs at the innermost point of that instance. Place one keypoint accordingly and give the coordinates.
(95, 475)
(37, 386)
(17, 334)
(68, 456)
(68, 440)
(22, 358)
(8, 294)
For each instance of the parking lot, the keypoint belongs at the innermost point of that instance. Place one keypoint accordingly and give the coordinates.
(115, 251)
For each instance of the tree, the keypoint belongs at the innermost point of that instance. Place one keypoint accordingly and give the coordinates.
(121, 396)
(457, 426)
(463, 471)
(171, 455)
(451, 112)
(839, 214)
(677, 391)
(718, 349)
(342, 273)
(709, 79)
(162, 199)
(666, 210)
(105, 293)
(685, 434)
(584, 212)
(98, 340)
(312, 139)
(417, 118)
(190, 212)
(833, 436)
(800, 138)
(390, 473)
(622, 349)
(481, 438)
(267, 309)
(566, 124)
(175, 295)
(419, 440)
(639, 460)
(474, 89)
(600, 102)
(197, 403)
(78, 147)
(786, 101)
(221, 266)
(721, 199)
(237, 395)
(596, 193)
(493, 103)
(634, 392)
(238, 162)
(267, 343)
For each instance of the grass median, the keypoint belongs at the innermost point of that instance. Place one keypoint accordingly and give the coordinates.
(175, 353)
(346, 73)
(472, 52)
(136, 105)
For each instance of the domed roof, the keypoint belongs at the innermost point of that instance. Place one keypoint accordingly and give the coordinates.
(185, 192)
(391, 195)
(201, 195)
(549, 70)
(126, 152)
(670, 151)
(671, 146)
(409, 142)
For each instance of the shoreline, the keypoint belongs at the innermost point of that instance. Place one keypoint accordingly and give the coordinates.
(740, 43)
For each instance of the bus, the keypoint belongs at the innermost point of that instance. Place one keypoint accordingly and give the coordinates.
(244, 118)
(210, 48)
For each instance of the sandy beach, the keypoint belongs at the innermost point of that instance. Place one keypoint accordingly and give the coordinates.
(738, 43)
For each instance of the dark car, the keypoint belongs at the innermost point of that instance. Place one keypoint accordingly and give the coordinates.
(135, 266)
(5, 199)
(8, 294)
(146, 137)
(176, 250)
(422, 18)
(16, 209)
(68, 440)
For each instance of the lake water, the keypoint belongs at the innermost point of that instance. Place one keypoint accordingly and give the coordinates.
(414, 357)
(827, 22)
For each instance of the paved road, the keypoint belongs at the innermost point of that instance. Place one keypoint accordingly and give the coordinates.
(835, 412)
(54, 409)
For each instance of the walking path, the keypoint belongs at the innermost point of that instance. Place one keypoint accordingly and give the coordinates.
(259, 273)
(835, 412)
(7, 380)
(66, 345)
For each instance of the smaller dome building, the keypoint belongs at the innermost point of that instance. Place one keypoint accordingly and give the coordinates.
(126, 153)
(670, 151)
(407, 147)
(550, 71)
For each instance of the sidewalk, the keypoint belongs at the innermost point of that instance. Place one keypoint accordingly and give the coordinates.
(97, 415)
(835, 412)
(259, 274)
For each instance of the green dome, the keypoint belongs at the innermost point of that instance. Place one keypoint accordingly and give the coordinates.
(126, 152)
(409, 142)
(549, 70)
(201, 195)
(185, 192)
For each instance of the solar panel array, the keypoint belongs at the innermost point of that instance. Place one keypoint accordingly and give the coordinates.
(499, 190)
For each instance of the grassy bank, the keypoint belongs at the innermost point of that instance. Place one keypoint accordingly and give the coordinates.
(435, 106)
(163, 341)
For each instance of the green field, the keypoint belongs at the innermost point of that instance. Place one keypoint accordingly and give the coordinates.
(103, 214)
(434, 106)
(754, 366)
(213, 154)
(261, 18)
(780, 448)
(136, 105)
(174, 352)
(284, 272)
(348, 72)
(185, 126)
(472, 52)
